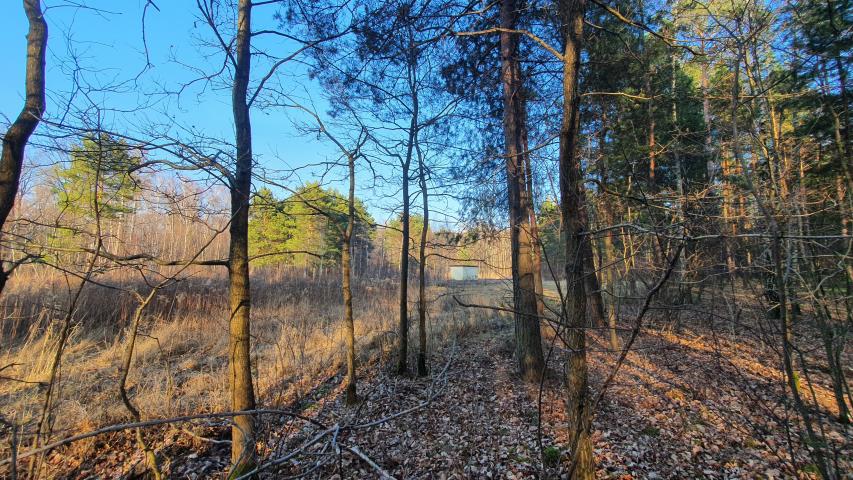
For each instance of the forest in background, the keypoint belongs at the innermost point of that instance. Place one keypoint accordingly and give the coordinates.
(632, 178)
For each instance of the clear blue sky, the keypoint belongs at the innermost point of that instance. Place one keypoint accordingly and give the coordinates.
(107, 40)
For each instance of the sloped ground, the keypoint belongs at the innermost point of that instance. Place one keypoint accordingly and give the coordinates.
(674, 411)
(682, 406)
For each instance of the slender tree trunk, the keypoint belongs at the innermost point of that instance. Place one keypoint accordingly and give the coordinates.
(346, 264)
(710, 160)
(536, 243)
(578, 405)
(539, 288)
(829, 334)
(845, 109)
(731, 168)
(608, 250)
(422, 337)
(650, 109)
(684, 289)
(242, 390)
(126, 361)
(841, 132)
(15, 140)
(652, 146)
(414, 149)
(528, 345)
(609, 277)
(402, 362)
(592, 286)
(831, 344)
(791, 376)
(403, 353)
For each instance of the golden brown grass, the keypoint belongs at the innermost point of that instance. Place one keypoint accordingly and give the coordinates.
(180, 359)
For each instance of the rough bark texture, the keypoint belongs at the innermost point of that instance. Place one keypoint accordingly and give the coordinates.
(242, 390)
(15, 140)
(577, 388)
(528, 338)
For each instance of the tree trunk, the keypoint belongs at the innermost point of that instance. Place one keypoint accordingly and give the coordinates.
(346, 264)
(831, 344)
(422, 340)
(731, 168)
(845, 108)
(842, 146)
(15, 140)
(578, 405)
(790, 373)
(402, 359)
(710, 161)
(592, 286)
(652, 147)
(242, 390)
(608, 250)
(536, 249)
(528, 348)
(650, 116)
(126, 361)
(684, 289)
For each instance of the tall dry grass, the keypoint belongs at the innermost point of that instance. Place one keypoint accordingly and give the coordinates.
(180, 360)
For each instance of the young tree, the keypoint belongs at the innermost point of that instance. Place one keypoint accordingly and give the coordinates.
(239, 347)
(422, 266)
(345, 231)
(387, 71)
(239, 52)
(346, 273)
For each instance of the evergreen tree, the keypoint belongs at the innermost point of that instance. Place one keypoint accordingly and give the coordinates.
(100, 168)
(312, 219)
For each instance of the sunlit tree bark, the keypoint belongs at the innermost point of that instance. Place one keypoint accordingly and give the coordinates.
(16, 138)
(240, 365)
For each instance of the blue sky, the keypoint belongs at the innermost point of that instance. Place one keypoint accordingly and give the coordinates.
(107, 41)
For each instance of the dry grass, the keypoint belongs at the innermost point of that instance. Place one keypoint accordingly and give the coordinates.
(674, 378)
(180, 360)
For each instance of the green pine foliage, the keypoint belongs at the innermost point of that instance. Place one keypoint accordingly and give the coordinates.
(306, 227)
(100, 168)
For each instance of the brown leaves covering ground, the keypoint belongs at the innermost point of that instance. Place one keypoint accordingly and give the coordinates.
(682, 406)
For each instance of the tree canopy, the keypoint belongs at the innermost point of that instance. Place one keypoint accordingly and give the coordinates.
(98, 178)
(307, 226)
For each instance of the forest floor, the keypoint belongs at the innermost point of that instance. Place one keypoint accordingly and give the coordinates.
(696, 404)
